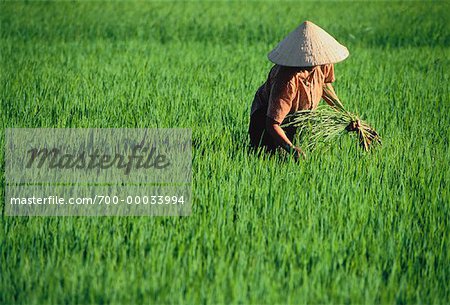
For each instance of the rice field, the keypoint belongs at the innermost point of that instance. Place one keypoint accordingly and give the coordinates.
(343, 226)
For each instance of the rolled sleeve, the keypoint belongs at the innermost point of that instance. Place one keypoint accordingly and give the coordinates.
(280, 99)
(329, 73)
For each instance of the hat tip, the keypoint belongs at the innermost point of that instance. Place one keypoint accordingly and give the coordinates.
(307, 22)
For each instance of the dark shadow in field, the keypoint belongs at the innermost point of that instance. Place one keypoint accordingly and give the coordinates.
(238, 145)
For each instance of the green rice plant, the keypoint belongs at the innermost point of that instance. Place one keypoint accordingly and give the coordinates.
(343, 229)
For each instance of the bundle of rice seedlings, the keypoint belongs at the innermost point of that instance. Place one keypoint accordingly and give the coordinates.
(326, 124)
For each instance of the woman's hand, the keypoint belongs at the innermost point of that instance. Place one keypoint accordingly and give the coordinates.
(274, 129)
(330, 96)
(298, 152)
(353, 126)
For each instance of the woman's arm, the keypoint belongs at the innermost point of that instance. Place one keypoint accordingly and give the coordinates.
(330, 96)
(283, 90)
(332, 99)
(277, 133)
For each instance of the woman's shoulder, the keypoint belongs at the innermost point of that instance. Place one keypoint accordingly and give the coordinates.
(326, 68)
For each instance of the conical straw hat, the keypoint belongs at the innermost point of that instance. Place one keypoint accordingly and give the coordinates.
(307, 46)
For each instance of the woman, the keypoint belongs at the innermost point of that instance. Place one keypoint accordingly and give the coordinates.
(303, 66)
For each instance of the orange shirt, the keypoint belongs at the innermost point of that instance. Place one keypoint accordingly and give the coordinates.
(290, 89)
